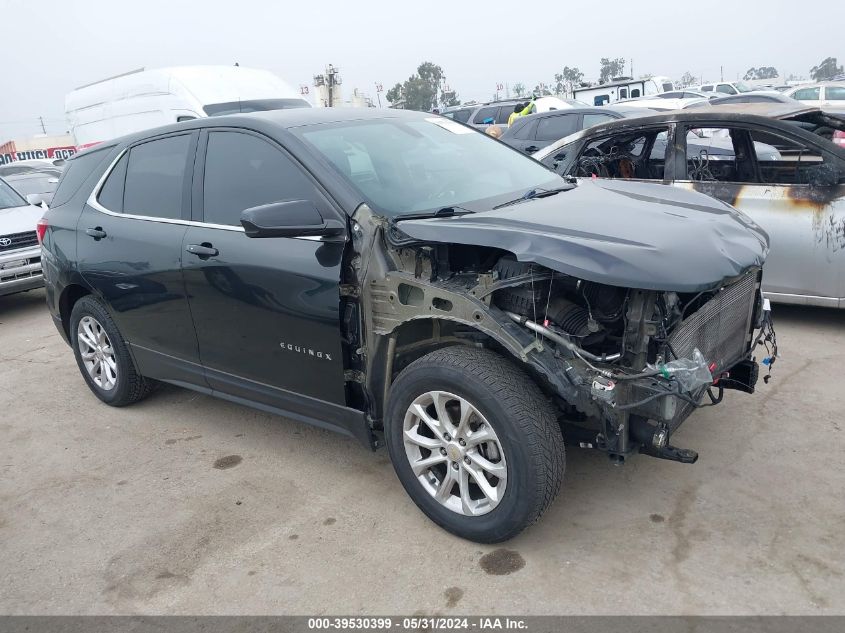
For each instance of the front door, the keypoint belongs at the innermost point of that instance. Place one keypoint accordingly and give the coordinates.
(788, 187)
(130, 252)
(266, 310)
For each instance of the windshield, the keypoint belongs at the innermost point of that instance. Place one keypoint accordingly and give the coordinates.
(405, 166)
(741, 87)
(255, 105)
(9, 197)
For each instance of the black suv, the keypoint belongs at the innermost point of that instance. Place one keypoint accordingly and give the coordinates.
(402, 279)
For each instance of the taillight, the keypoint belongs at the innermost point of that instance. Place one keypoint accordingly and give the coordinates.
(839, 137)
(41, 229)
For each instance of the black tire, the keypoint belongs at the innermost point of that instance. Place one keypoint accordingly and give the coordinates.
(129, 385)
(521, 416)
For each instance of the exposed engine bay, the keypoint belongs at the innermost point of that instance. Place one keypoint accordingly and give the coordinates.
(625, 366)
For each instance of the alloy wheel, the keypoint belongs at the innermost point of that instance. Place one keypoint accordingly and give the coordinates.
(455, 453)
(97, 353)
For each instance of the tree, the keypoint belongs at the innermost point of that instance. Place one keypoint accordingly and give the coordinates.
(519, 89)
(449, 98)
(764, 72)
(541, 90)
(611, 68)
(826, 70)
(567, 79)
(687, 80)
(422, 90)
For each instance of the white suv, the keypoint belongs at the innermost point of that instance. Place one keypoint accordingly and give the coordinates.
(20, 253)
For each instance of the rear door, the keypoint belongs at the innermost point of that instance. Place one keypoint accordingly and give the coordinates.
(790, 188)
(266, 310)
(130, 252)
(834, 96)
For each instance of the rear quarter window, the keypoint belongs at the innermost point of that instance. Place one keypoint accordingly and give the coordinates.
(77, 171)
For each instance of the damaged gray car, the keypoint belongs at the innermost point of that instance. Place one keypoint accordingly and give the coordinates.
(402, 279)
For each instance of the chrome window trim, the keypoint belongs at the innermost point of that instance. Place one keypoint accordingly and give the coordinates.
(95, 204)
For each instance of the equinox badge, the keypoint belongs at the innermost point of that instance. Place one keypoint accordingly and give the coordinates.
(305, 350)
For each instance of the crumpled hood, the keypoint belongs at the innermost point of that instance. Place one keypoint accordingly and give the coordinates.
(620, 233)
(19, 219)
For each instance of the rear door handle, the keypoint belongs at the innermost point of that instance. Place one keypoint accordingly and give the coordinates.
(97, 233)
(202, 250)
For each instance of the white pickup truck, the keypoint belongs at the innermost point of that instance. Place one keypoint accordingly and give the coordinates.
(20, 252)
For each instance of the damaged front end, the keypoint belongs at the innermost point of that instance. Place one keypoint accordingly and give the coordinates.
(625, 364)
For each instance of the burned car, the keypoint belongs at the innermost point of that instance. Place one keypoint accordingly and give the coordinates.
(400, 278)
(776, 163)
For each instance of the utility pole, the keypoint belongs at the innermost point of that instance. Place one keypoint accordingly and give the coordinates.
(721, 73)
(43, 129)
(379, 89)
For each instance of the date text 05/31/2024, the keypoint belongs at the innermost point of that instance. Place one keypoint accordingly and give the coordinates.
(417, 623)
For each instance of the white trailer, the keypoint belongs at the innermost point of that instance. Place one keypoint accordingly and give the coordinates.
(143, 99)
(622, 88)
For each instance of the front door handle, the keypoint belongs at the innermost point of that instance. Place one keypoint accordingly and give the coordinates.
(202, 250)
(97, 233)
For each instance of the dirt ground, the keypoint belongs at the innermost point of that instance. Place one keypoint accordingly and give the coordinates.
(191, 505)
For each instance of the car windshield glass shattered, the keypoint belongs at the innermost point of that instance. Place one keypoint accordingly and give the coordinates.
(9, 197)
(412, 166)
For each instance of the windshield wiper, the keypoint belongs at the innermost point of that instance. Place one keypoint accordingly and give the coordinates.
(537, 192)
(445, 212)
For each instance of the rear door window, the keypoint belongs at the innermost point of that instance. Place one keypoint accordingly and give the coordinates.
(834, 93)
(526, 132)
(594, 119)
(790, 162)
(155, 177)
(553, 128)
(111, 194)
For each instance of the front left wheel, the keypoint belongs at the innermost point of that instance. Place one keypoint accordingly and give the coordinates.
(103, 356)
(475, 443)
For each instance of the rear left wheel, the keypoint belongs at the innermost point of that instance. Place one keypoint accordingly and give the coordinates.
(103, 356)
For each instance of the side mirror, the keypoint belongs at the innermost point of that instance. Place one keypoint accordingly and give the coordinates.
(292, 218)
(35, 199)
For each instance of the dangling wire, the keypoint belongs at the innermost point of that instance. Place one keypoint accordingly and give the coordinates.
(548, 301)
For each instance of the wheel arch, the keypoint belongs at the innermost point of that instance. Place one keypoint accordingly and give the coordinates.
(414, 338)
(70, 295)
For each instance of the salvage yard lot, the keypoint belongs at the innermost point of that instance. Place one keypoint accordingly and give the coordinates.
(188, 504)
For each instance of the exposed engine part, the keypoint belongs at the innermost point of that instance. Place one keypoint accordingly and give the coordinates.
(603, 389)
(647, 434)
(561, 340)
(571, 318)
